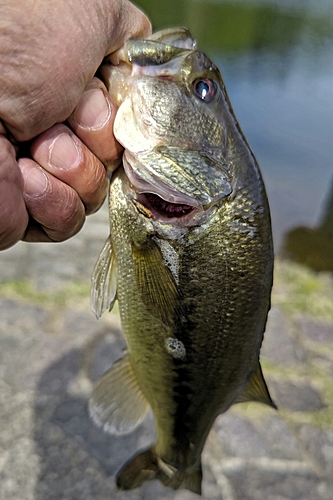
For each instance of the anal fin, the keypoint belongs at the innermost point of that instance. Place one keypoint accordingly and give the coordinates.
(257, 390)
(117, 403)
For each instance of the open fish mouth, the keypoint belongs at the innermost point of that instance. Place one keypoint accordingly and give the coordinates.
(162, 208)
(158, 199)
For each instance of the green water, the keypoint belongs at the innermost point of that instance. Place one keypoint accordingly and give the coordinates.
(276, 58)
(237, 28)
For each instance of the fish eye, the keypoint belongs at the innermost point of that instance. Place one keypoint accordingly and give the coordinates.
(204, 88)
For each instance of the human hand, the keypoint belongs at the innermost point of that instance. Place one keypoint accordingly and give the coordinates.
(46, 80)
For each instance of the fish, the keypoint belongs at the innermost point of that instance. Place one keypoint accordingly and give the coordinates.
(189, 259)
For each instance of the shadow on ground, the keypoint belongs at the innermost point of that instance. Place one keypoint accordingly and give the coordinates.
(78, 460)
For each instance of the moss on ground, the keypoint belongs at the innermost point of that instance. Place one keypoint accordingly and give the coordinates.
(24, 290)
(299, 290)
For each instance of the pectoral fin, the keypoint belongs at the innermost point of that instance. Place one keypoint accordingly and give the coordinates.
(158, 289)
(257, 390)
(104, 281)
(117, 403)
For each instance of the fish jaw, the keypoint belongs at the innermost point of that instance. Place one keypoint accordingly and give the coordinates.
(152, 184)
(163, 206)
(159, 47)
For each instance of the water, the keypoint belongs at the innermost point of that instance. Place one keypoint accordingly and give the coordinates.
(276, 60)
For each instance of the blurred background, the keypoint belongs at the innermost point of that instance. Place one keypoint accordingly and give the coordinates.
(276, 58)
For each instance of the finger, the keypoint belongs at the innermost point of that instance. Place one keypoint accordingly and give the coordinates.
(132, 23)
(64, 156)
(55, 207)
(138, 24)
(13, 213)
(92, 121)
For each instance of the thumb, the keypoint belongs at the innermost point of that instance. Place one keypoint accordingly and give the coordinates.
(132, 23)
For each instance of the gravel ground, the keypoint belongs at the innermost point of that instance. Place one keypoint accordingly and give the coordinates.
(52, 349)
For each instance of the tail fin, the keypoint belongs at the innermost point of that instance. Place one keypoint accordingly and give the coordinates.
(137, 470)
(146, 466)
(193, 482)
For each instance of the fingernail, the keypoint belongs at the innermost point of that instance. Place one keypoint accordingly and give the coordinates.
(35, 182)
(93, 110)
(64, 153)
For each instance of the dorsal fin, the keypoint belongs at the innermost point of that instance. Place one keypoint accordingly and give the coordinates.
(257, 390)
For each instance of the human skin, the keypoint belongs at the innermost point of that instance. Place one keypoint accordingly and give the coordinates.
(49, 54)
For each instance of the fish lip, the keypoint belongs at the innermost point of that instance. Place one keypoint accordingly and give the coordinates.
(166, 70)
(157, 187)
(193, 211)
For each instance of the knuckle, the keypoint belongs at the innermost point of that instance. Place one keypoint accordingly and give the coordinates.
(96, 189)
(7, 157)
(13, 223)
(70, 218)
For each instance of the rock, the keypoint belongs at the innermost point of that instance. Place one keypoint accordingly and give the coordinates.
(296, 397)
(279, 346)
(317, 331)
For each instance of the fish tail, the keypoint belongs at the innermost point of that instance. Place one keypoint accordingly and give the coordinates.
(193, 482)
(147, 466)
(143, 467)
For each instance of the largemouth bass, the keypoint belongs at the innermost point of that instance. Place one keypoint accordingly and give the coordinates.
(190, 259)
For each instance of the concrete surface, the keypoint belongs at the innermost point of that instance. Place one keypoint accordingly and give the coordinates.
(52, 349)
